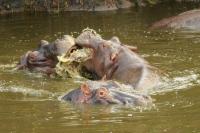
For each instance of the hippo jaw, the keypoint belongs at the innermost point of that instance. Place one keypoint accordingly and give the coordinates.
(36, 56)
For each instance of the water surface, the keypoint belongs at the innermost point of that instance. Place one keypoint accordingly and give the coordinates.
(28, 102)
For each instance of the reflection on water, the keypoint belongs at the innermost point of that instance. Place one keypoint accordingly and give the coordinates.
(28, 102)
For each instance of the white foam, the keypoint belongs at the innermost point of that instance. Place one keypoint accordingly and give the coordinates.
(177, 83)
(4, 66)
(27, 91)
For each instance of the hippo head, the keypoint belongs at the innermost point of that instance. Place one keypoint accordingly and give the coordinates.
(44, 58)
(43, 53)
(105, 92)
(89, 38)
(106, 53)
(47, 51)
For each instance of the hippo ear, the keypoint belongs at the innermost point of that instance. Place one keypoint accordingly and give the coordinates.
(132, 48)
(102, 92)
(43, 42)
(85, 89)
(113, 56)
(115, 40)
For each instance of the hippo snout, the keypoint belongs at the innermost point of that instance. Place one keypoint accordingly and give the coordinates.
(36, 56)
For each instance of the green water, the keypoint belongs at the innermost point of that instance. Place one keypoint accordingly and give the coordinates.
(29, 102)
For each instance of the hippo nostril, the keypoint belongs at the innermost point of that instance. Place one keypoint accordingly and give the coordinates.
(124, 102)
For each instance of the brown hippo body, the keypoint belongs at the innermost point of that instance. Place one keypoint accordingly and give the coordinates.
(188, 20)
(113, 60)
(44, 59)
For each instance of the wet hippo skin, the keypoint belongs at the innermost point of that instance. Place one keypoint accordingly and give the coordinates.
(188, 20)
(105, 92)
(44, 58)
(113, 60)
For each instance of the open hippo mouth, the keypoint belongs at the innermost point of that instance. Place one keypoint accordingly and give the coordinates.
(105, 93)
(45, 57)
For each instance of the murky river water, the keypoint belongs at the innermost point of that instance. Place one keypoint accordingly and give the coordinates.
(28, 102)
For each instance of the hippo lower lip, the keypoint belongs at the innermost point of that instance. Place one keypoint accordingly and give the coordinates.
(40, 60)
(40, 63)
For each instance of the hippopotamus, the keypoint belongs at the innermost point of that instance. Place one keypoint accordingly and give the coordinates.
(44, 58)
(189, 20)
(113, 60)
(105, 93)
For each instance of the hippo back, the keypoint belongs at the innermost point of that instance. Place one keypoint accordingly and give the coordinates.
(189, 20)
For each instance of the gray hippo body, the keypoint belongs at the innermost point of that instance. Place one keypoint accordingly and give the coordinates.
(113, 60)
(188, 20)
(105, 92)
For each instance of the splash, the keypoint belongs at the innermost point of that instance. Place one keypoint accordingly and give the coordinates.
(28, 92)
(189, 79)
(69, 64)
(7, 66)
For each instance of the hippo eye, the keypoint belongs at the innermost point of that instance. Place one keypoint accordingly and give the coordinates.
(102, 92)
(105, 45)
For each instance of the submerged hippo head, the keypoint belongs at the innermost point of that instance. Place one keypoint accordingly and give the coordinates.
(44, 58)
(105, 92)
